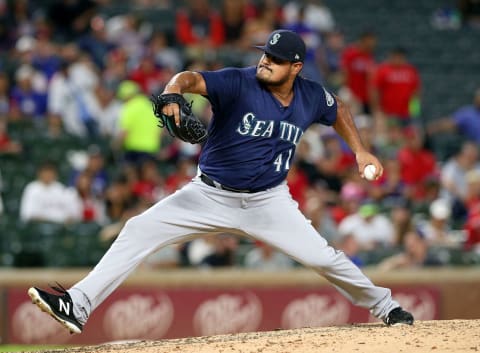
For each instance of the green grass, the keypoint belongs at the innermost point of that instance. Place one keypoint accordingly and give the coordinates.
(25, 348)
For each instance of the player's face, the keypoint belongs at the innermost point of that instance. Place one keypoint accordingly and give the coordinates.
(274, 71)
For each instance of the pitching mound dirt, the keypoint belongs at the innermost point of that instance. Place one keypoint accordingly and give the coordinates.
(424, 336)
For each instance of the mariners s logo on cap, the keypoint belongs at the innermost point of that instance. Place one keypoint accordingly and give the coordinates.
(285, 45)
(275, 38)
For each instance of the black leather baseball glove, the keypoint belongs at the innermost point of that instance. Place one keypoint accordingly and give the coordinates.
(191, 129)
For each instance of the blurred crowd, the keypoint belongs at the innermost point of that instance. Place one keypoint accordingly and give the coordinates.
(73, 69)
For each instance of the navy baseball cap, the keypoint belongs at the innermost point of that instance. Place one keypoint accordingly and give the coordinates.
(285, 45)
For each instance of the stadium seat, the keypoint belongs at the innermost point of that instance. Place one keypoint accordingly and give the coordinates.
(449, 256)
(34, 242)
(7, 240)
(241, 252)
(85, 243)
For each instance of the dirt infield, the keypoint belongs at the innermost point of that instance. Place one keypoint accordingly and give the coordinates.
(424, 336)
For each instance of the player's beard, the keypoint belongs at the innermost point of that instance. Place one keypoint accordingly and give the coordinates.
(274, 83)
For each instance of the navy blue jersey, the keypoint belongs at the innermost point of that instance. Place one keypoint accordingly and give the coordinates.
(252, 137)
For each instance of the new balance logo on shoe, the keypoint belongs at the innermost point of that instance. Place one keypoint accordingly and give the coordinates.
(65, 307)
(60, 307)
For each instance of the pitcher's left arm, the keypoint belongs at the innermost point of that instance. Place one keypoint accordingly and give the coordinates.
(346, 128)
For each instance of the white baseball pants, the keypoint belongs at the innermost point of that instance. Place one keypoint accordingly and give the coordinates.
(271, 216)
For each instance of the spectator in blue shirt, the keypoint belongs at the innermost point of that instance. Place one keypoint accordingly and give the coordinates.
(466, 120)
(26, 99)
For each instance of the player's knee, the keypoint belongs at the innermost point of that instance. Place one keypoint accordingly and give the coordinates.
(321, 260)
(133, 225)
(144, 227)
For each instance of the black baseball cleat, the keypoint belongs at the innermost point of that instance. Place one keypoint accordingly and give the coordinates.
(60, 307)
(398, 316)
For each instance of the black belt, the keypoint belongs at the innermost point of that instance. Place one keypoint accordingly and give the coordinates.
(210, 182)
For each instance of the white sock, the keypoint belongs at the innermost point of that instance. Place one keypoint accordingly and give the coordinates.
(81, 305)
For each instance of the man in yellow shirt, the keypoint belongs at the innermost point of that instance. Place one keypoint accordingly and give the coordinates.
(139, 135)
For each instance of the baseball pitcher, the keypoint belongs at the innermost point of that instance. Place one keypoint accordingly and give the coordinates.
(259, 115)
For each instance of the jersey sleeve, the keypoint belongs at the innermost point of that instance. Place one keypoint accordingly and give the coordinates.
(327, 107)
(222, 86)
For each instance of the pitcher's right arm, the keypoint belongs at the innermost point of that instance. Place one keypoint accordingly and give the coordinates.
(183, 82)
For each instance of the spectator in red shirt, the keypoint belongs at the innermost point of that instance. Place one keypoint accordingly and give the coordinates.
(92, 209)
(335, 163)
(352, 195)
(183, 174)
(149, 187)
(149, 77)
(395, 84)
(297, 181)
(199, 26)
(472, 228)
(472, 206)
(464, 209)
(337, 160)
(7, 145)
(417, 164)
(357, 63)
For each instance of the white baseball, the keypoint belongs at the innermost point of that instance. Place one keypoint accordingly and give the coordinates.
(369, 172)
